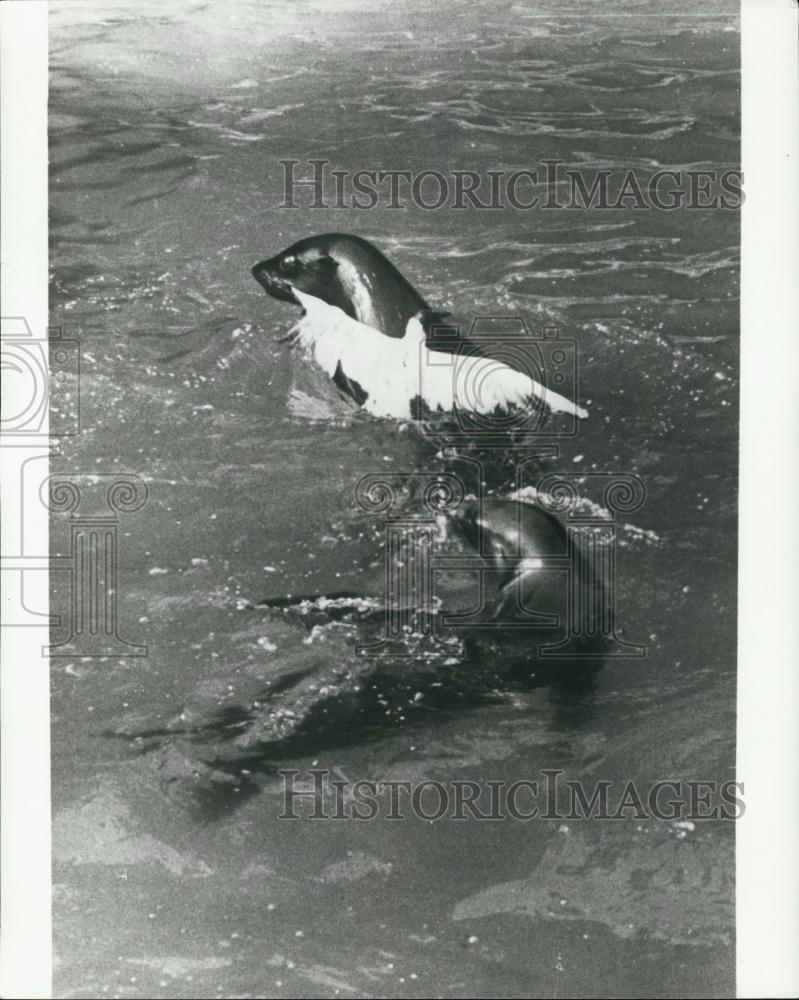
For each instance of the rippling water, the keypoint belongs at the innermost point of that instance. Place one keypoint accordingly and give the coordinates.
(173, 876)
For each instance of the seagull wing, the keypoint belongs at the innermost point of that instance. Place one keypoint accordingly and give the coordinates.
(479, 384)
(394, 370)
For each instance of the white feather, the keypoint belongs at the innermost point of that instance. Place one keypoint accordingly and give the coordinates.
(394, 370)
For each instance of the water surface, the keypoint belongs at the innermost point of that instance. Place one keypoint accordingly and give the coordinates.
(173, 874)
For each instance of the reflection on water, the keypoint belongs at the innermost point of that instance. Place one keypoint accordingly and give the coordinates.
(167, 125)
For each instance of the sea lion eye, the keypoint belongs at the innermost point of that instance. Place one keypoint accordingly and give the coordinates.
(287, 264)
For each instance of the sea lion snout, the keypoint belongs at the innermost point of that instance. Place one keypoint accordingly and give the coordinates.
(270, 278)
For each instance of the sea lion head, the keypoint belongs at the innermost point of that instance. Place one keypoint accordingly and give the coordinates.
(506, 530)
(347, 272)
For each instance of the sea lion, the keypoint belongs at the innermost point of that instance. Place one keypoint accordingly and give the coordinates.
(532, 567)
(347, 272)
(550, 602)
(522, 543)
(379, 340)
